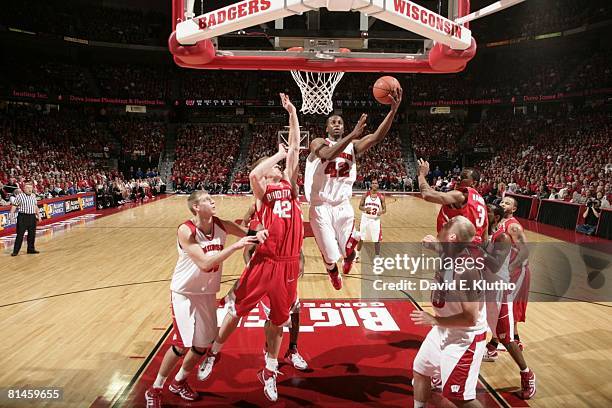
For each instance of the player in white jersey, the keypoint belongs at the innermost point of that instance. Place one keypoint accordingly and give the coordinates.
(372, 206)
(195, 283)
(453, 347)
(330, 173)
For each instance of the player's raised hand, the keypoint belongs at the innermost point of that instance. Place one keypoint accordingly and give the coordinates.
(262, 235)
(359, 127)
(430, 242)
(396, 98)
(423, 167)
(245, 241)
(289, 107)
(282, 150)
(421, 318)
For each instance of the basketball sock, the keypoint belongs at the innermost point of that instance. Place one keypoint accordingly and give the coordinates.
(333, 268)
(181, 375)
(216, 347)
(292, 346)
(492, 344)
(525, 370)
(419, 404)
(159, 381)
(271, 363)
(517, 338)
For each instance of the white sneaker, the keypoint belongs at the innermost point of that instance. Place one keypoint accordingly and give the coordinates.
(268, 379)
(294, 358)
(206, 367)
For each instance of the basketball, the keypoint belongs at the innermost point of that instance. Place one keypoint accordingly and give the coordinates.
(383, 87)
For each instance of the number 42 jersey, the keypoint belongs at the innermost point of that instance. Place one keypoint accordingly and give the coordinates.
(281, 215)
(330, 181)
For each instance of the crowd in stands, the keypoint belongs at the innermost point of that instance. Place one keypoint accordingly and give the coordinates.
(127, 81)
(436, 137)
(140, 138)
(61, 153)
(205, 156)
(553, 158)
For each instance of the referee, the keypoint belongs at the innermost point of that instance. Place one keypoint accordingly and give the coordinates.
(27, 215)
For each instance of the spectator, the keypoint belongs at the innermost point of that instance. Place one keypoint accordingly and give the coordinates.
(591, 216)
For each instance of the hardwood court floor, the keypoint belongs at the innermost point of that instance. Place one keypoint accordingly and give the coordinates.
(85, 313)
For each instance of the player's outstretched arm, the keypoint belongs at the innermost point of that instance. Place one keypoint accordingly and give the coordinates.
(433, 196)
(257, 176)
(323, 151)
(293, 151)
(363, 144)
(208, 262)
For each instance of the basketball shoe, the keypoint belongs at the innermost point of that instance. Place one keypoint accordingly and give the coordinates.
(153, 397)
(490, 354)
(206, 367)
(528, 385)
(183, 390)
(335, 278)
(294, 358)
(268, 379)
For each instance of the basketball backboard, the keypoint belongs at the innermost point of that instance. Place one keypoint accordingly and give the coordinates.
(323, 35)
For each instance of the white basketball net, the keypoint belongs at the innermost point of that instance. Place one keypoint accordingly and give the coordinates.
(317, 90)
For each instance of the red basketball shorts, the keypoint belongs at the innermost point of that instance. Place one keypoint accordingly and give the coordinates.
(275, 278)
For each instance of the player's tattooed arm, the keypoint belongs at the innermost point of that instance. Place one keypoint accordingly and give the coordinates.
(363, 144)
(518, 236)
(433, 196)
(322, 150)
(257, 176)
(383, 203)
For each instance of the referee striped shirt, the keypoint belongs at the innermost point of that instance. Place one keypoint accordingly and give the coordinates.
(26, 203)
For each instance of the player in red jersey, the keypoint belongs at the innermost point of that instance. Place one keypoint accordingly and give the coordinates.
(500, 311)
(464, 200)
(292, 356)
(274, 269)
(519, 266)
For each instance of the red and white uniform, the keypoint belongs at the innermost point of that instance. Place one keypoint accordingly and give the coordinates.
(474, 210)
(520, 275)
(275, 266)
(328, 185)
(500, 313)
(194, 291)
(453, 354)
(370, 228)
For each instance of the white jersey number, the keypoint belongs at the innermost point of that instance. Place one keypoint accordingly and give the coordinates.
(282, 209)
(482, 213)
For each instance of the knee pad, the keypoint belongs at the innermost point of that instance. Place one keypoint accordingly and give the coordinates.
(199, 353)
(177, 351)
